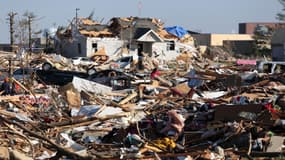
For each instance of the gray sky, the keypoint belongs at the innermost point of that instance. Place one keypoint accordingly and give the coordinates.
(207, 16)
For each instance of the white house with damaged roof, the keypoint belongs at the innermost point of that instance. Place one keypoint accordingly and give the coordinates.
(148, 35)
(86, 38)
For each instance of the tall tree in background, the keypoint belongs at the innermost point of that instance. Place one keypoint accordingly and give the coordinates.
(262, 36)
(281, 15)
(25, 29)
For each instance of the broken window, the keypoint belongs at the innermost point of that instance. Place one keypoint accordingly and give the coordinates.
(170, 46)
(279, 68)
(267, 68)
(94, 47)
(282, 68)
(79, 48)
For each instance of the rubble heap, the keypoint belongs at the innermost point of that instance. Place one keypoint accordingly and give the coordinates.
(194, 108)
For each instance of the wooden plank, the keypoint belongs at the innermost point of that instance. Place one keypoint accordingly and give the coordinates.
(128, 98)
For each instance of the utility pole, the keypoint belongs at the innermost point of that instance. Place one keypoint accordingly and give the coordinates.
(76, 16)
(30, 17)
(47, 40)
(140, 8)
(12, 22)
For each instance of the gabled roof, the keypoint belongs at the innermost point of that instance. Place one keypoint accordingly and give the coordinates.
(140, 32)
(147, 35)
(278, 37)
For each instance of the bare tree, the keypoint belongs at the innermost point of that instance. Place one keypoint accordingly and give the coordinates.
(21, 31)
(25, 29)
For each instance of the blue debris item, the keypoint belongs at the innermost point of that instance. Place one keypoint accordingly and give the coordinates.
(88, 111)
(176, 31)
(193, 82)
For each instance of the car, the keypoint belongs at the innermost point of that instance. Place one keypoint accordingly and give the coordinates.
(113, 78)
(271, 67)
(58, 77)
(124, 62)
(84, 61)
(22, 73)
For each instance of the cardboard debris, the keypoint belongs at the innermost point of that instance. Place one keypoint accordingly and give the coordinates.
(72, 95)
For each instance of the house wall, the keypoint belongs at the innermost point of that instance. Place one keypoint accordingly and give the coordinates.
(111, 45)
(202, 39)
(278, 52)
(240, 47)
(70, 48)
(218, 39)
(161, 49)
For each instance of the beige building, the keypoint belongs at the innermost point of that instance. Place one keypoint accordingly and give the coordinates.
(219, 39)
(239, 43)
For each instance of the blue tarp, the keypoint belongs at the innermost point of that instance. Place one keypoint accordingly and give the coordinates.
(176, 31)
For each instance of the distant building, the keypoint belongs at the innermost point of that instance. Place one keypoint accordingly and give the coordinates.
(7, 47)
(239, 43)
(278, 45)
(249, 28)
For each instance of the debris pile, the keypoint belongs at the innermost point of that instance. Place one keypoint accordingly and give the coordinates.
(194, 106)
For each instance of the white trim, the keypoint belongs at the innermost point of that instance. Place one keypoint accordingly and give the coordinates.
(147, 33)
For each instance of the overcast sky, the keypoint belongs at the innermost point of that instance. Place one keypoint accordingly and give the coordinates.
(207, 16)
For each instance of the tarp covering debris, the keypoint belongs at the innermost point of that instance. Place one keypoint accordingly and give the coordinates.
(177, 31)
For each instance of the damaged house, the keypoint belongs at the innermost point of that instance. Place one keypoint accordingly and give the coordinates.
(138, 35)
(148, 35)
(85, 37)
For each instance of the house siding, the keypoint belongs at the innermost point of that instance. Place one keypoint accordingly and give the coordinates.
(111, 45)
(161, 49)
